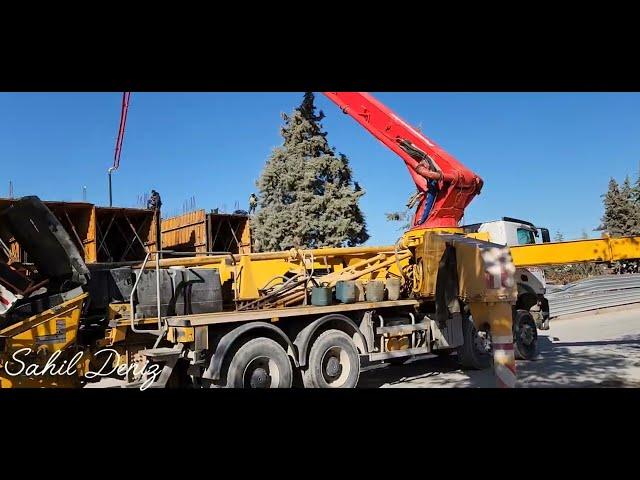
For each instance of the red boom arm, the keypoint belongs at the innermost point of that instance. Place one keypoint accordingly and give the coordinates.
(447, 185)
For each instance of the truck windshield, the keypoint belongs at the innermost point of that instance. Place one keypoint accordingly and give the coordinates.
(525, 236)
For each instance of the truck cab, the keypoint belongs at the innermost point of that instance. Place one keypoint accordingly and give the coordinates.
(510, 231)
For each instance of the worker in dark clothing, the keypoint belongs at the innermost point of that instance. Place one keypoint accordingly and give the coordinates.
(427, 169)
(154, 202)
(253, 203)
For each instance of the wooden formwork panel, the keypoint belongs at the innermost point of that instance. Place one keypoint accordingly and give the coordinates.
(229, 233)
(200, 232)
(185, 233)
(125, 234)
(101, 234)
(79, 220)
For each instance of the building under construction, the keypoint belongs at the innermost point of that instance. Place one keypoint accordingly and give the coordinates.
(201, 232)
(101, 234)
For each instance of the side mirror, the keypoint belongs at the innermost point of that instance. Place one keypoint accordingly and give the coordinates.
(546, 238)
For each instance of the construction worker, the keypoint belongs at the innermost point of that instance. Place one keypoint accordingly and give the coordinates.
(426, 169)
(154, 202)
(253, 203)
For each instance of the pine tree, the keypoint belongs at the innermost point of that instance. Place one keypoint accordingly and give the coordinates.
(621, 213)
(613, 221)
(628, 210)
(404, 217)
(558, 237)
(307, 197)
(636, 192)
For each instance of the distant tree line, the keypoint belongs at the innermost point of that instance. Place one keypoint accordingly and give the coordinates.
(621, 218)
(621, 208)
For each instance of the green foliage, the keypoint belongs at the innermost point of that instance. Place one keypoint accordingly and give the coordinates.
(621, 208)
(404, 217)
(307, 197)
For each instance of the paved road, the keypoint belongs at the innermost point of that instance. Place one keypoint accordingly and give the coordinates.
(594, 350)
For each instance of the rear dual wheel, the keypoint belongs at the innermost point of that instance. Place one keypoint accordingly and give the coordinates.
(334, 362)
(525, 335)
(476, 352)
(260, 363)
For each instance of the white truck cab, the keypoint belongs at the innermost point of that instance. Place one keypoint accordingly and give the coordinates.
(511, 231)
(532, 309)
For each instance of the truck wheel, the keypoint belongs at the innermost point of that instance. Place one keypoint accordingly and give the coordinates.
(333, 362)
(476, 352)
(525, 335)
(260, 363)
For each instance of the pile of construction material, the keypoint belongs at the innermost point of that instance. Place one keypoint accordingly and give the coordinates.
(55, 271)
(603, 291)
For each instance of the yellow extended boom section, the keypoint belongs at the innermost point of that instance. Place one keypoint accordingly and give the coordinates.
(605, 249)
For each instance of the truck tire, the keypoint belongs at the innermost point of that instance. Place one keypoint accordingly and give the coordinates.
(260, 363)
(475, 353)
(525, 335)
(334, 362)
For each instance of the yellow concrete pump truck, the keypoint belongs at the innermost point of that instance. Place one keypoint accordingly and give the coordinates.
(266, 320)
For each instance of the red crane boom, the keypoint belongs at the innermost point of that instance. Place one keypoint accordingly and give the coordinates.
(447, 186)
(121, 129)
(119, 139)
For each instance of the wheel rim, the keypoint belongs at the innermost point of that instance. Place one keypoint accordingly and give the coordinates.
(482, 341)
(527, 334)
(336, 366)
(261, 372)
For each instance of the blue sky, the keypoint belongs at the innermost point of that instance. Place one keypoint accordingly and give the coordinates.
(546, 157)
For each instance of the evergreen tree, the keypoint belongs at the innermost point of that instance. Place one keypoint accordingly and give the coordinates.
(612, 221)
(636, 192)
(404, 217)
(629, 208)
(621, 213)
(558, 237)
(307, 197)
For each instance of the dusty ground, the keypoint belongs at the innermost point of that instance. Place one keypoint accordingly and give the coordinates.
(592, 350)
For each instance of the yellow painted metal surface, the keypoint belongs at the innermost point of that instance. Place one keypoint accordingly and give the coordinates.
(485, 271)
(479, 236)
(41, 336)
(181, 334)
(577, 251)
(398, 343)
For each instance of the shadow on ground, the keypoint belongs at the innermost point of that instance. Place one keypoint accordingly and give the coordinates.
(425, 373)
(603, 363)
